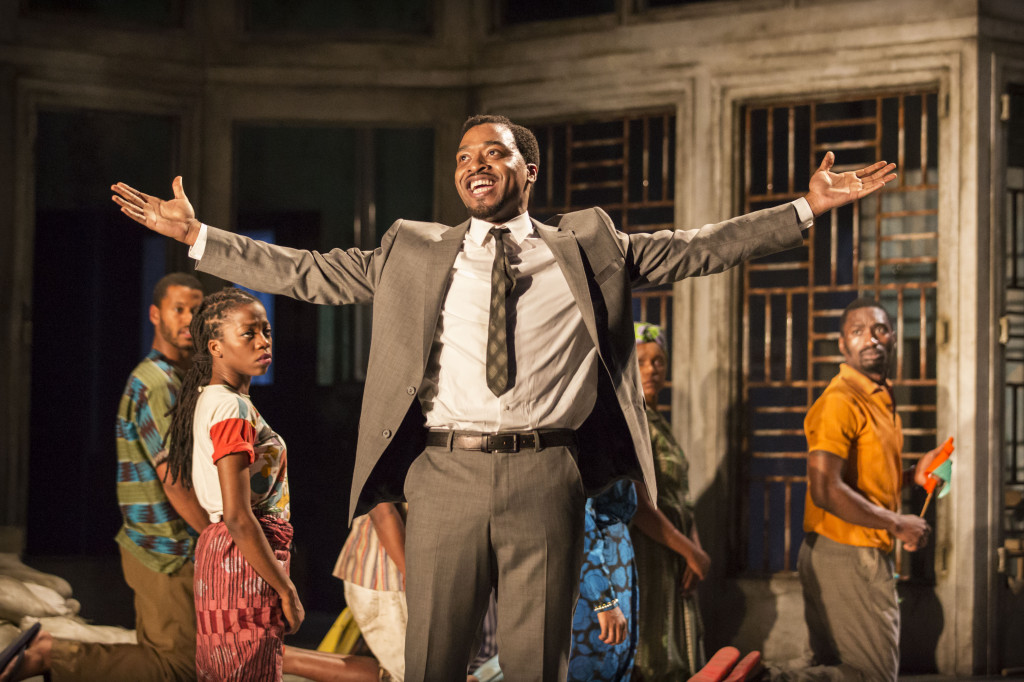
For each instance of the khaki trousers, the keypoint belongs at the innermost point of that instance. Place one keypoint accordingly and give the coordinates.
(852, 611)
(165, 622)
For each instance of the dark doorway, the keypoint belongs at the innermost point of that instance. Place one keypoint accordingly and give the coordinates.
(93, 271)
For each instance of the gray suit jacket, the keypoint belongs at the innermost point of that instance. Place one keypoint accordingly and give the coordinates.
(407, 277)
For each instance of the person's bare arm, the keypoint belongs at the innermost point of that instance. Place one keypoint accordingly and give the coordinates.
(830, 492)
(390, 528)
(690, 579)
(656, 526)
(233, 474)
(183, 500)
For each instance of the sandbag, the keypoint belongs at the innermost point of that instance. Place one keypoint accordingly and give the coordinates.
(11, 565)
(76, 629)
(8, 633)
(57, 604)
(18, 601)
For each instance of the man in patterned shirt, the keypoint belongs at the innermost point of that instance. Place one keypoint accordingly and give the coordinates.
(161, 519)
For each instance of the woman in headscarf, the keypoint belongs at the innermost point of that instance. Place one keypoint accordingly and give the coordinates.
(669, 559)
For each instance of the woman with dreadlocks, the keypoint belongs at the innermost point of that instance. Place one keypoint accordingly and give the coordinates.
(238, 466)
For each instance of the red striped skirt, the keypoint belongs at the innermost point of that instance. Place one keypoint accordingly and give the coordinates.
(239, 621)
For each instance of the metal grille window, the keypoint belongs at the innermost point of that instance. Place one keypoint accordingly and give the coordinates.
(885, 247)
(1012, 327)
(1012, 338)
(625, 165)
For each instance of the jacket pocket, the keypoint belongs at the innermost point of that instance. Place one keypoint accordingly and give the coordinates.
(609, 271)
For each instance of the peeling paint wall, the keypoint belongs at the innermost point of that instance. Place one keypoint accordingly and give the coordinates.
(706, 60)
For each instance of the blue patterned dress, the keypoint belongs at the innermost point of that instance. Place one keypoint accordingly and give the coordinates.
(607, 574)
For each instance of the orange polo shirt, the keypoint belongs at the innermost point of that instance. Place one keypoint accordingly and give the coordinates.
(855, 419)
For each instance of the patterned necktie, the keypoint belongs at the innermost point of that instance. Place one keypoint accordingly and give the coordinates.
(503, 281)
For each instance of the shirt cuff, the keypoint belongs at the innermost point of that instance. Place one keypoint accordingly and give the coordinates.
(197, 250)
(804, 215)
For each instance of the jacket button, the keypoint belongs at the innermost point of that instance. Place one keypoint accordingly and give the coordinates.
(411, 390)
(386, 433)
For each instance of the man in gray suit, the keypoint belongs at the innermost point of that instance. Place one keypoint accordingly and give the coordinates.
(502, 385)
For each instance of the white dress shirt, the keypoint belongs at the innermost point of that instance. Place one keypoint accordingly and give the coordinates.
(555, 359)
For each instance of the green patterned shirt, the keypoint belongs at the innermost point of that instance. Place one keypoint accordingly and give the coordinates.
(152, 530)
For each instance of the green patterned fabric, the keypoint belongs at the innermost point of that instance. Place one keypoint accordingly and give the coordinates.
(671, 643)
(152, 531)
(645, 332)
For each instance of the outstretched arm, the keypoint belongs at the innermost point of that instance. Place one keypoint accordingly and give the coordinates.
(333, 278)
(828, 190)
(667, 256)
(174, 218)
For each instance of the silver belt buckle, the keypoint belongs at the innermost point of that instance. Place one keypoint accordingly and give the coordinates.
(503, 442)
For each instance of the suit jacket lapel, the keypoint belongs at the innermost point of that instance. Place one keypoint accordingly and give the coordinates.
(566, 250)
(439, 261)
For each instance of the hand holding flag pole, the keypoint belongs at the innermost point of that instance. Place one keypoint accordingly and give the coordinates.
(940, 469)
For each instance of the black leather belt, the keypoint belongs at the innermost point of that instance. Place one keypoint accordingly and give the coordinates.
(507, 441)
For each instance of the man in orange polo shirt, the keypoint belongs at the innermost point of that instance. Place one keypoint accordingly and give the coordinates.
(852, 512)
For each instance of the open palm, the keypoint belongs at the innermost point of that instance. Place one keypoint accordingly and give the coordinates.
(828, 190)
(169, 217)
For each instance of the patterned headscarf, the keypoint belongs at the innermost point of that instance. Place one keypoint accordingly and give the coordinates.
(645, 332)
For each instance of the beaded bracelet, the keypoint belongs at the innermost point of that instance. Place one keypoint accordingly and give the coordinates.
(605, 606)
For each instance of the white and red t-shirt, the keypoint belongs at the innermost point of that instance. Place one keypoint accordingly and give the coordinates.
(226, 423)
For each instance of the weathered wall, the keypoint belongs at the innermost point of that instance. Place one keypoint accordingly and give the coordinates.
(706, 61)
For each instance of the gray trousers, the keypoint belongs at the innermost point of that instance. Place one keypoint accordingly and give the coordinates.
(479, 520)
(852, 611)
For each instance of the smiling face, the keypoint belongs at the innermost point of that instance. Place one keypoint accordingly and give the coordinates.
(867, 341)
(491, 176)
(242, 347)
(171, 320)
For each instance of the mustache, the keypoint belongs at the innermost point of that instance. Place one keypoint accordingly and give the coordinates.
(875, 355)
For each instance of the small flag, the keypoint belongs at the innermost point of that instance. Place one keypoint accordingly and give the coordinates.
(944, 472)
(941, 469)
(941, 460)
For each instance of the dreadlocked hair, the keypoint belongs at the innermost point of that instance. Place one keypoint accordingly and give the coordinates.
(206, 324)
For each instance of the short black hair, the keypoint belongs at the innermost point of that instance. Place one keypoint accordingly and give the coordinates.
(174, 279)
(862, 302)
(525, 140)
